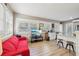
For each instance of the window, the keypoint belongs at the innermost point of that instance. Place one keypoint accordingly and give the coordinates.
(68, 29)
(1, 20)
(6, 21)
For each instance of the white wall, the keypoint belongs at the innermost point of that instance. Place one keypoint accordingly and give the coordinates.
(58, 27)
(29, 22)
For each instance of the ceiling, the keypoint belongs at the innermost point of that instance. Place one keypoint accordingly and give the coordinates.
(53, 11)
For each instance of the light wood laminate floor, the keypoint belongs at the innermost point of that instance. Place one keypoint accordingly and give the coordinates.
(48, 48)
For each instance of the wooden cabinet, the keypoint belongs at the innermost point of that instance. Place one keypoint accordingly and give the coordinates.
(46, 36)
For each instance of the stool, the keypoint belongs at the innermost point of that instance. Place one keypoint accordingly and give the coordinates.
(70, 44)
(60, 42)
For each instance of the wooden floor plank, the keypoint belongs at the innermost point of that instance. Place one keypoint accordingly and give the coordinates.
(48, 48)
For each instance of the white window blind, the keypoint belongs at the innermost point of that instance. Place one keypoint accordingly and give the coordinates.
(1, 20)
(6, 21)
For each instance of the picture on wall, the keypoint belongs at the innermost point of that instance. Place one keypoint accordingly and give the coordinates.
(33, 26)
(23, 27)
(41, 26)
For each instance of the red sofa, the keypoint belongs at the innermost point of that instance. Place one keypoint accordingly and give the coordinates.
(16, 46)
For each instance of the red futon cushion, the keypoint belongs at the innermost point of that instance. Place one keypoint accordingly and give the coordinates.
(15, 46)
(10, 44)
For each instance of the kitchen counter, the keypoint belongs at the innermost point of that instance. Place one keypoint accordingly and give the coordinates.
(52, 36)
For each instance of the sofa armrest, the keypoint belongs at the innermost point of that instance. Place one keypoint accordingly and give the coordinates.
(1, 49)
